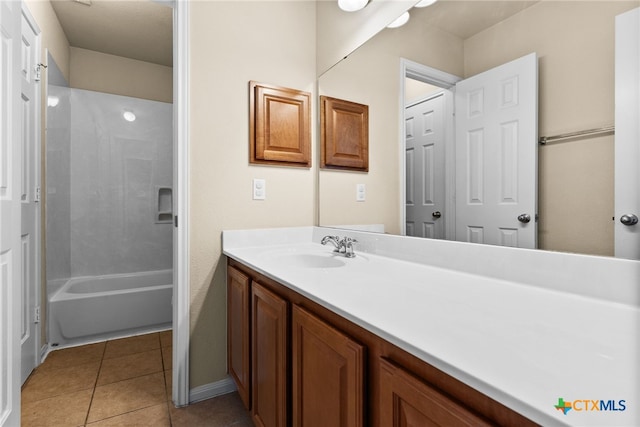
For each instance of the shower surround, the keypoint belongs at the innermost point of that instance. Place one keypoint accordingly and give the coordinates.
(108, 186)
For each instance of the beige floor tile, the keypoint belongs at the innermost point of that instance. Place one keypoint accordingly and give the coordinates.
(221, 411)
(166, 338)
(153, 416)
(65, 410)
(131, 345)
(130, 366)
(74, 356)
(45, 383)
(167, 358)
(61, 394)
(126, 396)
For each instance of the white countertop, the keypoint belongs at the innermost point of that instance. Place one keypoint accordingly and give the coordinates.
(522, 344)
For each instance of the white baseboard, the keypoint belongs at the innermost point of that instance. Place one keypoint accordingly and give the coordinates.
(44, 352)
(210, 390)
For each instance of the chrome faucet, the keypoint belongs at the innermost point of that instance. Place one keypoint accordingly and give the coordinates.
(348, 242)
(343, 246)
(333, 239)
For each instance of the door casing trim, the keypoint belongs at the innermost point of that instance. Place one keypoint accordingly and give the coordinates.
(181, 288)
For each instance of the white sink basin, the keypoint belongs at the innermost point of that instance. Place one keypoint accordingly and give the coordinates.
(313, 260)
(294, 258)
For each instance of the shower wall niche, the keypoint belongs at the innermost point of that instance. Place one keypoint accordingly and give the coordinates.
(109, 177)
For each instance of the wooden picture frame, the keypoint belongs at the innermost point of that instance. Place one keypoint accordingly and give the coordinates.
(279, 125)
(344, 134)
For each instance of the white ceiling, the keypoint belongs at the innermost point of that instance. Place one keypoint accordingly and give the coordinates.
(464, 18)
(136, 29)
(142, 29)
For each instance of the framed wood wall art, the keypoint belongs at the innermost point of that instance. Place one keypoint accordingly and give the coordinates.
(279, 125)
(344, 134)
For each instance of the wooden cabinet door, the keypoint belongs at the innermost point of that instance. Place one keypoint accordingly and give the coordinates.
(238, 338)
(327, 374)
(269, 358)
(408, 401)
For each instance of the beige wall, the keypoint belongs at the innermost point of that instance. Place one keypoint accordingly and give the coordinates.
(232, 43)
(415, 90)
(371, 76)
(102, 72)
(575, 44)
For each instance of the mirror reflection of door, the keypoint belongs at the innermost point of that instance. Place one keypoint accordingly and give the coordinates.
(425, 167)
(627, 142)
(495, 160)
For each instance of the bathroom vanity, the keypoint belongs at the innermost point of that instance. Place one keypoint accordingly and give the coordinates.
(416, 331)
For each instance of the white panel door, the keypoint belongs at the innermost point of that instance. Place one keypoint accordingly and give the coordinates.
(496, 155)
(627, 139)
(10, 247)
(30, 181)
(425, 168)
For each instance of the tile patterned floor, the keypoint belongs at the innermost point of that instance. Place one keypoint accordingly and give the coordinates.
(124, 382)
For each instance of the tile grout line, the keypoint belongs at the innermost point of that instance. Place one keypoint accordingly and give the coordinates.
(95, 384)
(167, 399)
(100, 370)
(102, 364)
(164, 378)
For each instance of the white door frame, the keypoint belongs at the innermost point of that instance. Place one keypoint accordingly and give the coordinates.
(37, 154)
(10, 213)
(627, 138)
(444, 80)
(181, 287)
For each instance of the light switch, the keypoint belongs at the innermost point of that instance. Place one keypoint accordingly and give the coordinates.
(361, 192)
(259, 189)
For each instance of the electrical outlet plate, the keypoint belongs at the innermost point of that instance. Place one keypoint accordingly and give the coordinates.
(259, 189)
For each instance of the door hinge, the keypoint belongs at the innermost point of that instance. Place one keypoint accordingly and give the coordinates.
(36, 315)
(37, 195)
(175, 221)
(38, 72)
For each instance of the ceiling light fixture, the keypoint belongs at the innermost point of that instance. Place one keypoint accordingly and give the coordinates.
(52, 101)
(129, 116)
(400, 21)
(352, 5)
(425, 3)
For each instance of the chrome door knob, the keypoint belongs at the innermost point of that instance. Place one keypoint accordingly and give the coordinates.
(630, 219)
(436, 214)
(524, 218)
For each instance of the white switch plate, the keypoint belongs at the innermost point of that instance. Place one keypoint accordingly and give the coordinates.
(361, 192)
(259, 189)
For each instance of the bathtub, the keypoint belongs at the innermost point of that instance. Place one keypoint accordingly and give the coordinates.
(90, 309)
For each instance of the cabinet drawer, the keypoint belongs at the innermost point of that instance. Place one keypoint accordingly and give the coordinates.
(406, 400)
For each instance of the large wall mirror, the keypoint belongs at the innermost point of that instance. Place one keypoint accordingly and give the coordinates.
(574, 43)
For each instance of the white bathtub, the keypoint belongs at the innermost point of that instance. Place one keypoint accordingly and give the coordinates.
(89, 309)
